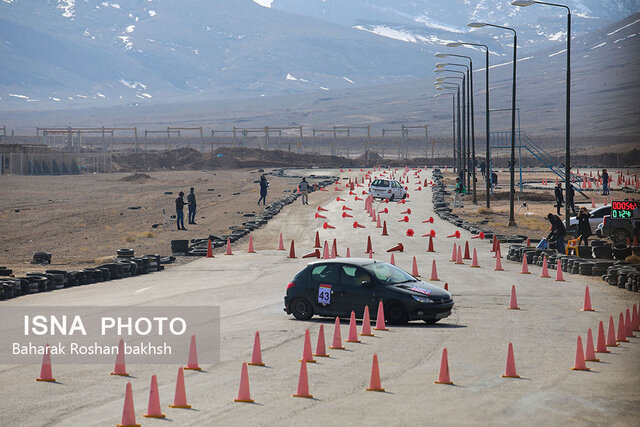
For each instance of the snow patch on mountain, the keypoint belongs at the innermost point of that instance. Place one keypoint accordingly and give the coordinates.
(264, 3)
(68, 6)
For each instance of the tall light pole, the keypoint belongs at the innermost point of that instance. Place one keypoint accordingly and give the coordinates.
(471, 152)
(567, 155)
(457, 88)
(512, 192)
(453, 114)
(441, 69)
(488, 132)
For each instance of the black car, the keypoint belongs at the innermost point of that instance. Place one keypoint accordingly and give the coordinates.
(335, 287)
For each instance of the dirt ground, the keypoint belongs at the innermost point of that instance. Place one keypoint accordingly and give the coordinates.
(82, 220)
(531, 221)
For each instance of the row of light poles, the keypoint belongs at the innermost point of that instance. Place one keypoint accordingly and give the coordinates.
(469, 138)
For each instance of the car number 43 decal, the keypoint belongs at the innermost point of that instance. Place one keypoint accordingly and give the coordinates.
(324, 294)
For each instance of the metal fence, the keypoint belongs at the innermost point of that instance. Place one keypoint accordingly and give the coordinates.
(54, 164)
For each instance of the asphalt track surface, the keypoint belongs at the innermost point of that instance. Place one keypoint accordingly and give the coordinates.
(249, 289)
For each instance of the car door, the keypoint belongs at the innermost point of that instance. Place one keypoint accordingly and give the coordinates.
(324, 279)
(397, 190)
(351, 292)
(597, 216)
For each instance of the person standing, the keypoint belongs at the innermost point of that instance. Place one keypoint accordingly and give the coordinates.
(605, 182)
(584, 227)
(558, 231)
(191, 201)
(571, 199)
(482, 167)
(264, 184)
(303, 187)
(457, 193)
(180, 211)
(559, 197)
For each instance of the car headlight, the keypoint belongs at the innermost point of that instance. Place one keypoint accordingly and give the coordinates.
(423, 300)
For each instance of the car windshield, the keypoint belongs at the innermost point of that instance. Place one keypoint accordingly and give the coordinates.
(388, 274)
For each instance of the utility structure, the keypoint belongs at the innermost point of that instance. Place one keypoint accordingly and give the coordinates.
(70, 132)
(213, 135)
(334, 141)
(267, 130)
(199, 128)
(453, 117)
(487, 107)
(441, 85)
(3, 136)
(567, 160)
(167, 132)
(349, 128)
(512, 219)
(403, 146)
(462, 140)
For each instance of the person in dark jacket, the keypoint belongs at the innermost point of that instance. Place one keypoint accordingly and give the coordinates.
(264, 184)
(558, 231)
(584, 227)
(605, 182)
(571, 199)
(559, 197)
(304, 190)
(180, 211)
(191, 200)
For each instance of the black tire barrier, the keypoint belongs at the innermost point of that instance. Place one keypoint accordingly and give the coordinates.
(586, 268)
(585, 251)
(597, 242)
(4, 271)
(125, 253)
(602, 252)
(621, 251)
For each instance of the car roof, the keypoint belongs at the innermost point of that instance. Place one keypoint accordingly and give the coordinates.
(353, 261)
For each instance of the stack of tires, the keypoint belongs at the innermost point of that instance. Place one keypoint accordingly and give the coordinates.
(40, 257)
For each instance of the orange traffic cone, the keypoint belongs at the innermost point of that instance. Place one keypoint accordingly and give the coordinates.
(366, 323)
(153, 408)
(325, 252)
(434, 272)
(128, 411)
(256, 355)
(46, 374)
(251, 250)
(459, 258)
(443, 376)
(635, 322)
(374, 382)
(454, 253)
(353, 331)
(446, 286)
(611, 334)
(414, 268)
(292, 251)
(579, 364)
(587, 301)
(307, 354)
(397, 248)
(244, 394)
(348, 255)
(317, 242)
(559, 277)
(525, 265)
(281, 243)
(627, 325)
(209, 250)
(589, 351)
(327, 226)
(180, 397)
(321, 351)
(622, 336)
(493, 244)
(384, 228)
(513, 303)
(466, 251)
(369, 247)
(392, 261)
(380, 323)
(545, 268)
(192, 363)
(430, 248)
(601, 344)
(337, 338)
(303, 382)
(334, 249)
(228, 252)
(510, 370)
(120, 368)
(474, 260)
(378, 223)
(314, 254)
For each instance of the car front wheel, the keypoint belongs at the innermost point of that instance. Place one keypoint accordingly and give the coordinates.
(396, 314)
(301, 309)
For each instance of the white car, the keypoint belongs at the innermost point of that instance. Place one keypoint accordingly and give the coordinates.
(387, 189)
(597, 216)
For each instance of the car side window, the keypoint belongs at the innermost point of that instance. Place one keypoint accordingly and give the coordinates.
(325, 273)
(396, 185)
(353, 276)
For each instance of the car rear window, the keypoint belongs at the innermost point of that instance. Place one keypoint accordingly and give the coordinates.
(380, 183)
(325, 273)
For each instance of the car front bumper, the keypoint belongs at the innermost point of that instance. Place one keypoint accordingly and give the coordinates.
(435, 311)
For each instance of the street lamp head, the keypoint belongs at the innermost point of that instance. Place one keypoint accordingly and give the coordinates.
(438, 66)
(454, 44)
(523, 3)
(441, 55)
(476, 24)
(439, 70)
(440, 79)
